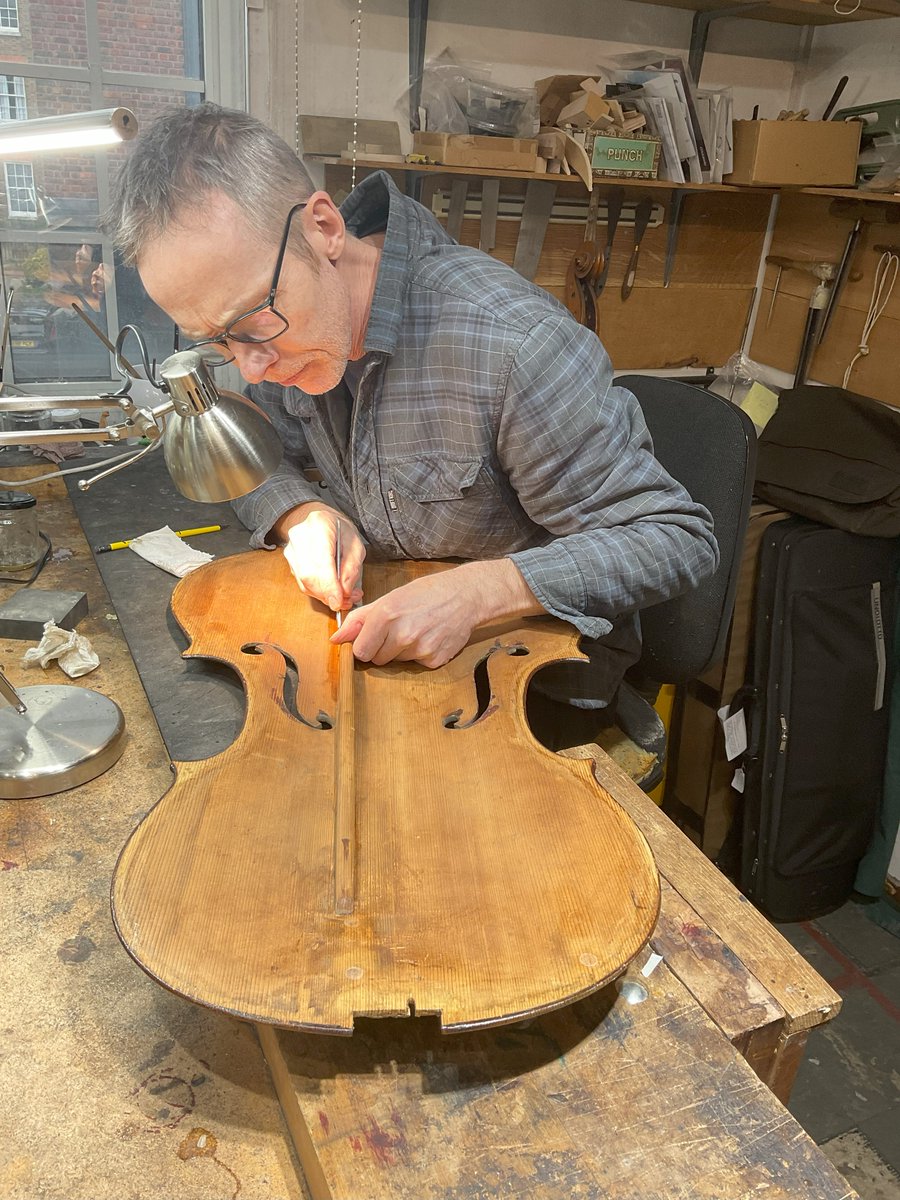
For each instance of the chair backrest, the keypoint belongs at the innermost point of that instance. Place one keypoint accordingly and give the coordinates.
(709, 446)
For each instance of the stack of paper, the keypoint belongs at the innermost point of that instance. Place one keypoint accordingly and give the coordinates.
(694, 128)
(716, 114)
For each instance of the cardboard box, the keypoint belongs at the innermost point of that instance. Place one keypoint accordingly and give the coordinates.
(798, 153)
(632, 157)
(472, 150)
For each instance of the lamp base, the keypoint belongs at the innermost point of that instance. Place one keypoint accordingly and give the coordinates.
(67, 736)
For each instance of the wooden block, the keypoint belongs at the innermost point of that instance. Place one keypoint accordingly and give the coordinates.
(583, 111)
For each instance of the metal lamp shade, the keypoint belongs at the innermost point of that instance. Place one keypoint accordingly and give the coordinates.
(222, 452)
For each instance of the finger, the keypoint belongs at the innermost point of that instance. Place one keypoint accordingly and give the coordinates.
(351, 570)
(350, 627)
(315, 572)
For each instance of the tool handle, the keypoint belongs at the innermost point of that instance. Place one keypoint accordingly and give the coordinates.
(613, 212)
(835, 96)
(843, 274)
(628, 281)
(642, 216)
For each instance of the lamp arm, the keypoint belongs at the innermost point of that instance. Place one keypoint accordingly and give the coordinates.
(84, 485)
(141, 422)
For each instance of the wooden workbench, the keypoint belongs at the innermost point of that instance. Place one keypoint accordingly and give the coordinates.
(112, 1087)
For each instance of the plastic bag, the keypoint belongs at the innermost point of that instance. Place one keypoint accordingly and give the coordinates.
(751, 386)
(888, 178)
(461, 98)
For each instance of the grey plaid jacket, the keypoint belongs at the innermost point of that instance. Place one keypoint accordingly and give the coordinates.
(486, 424)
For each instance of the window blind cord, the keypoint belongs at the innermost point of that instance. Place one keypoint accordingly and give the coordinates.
(882, 288)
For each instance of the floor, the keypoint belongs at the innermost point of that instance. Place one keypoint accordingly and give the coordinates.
(847, 1094)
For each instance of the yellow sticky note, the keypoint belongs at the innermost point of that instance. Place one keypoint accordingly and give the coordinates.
(760, 404)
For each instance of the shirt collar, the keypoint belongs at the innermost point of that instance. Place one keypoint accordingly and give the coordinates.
(376, 205)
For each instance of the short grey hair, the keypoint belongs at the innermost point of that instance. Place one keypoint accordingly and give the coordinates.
(186, 154)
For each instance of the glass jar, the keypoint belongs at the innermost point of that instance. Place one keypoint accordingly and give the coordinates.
(23, 421)
(65, 418)
(20, 545)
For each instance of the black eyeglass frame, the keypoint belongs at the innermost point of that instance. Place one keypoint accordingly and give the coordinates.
(223, 338)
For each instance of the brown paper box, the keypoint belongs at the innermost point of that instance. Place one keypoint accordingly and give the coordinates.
(798, 153)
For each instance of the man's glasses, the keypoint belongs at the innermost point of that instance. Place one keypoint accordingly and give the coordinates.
(261, 324)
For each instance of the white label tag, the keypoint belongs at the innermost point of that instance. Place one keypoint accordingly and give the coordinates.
(735, 729)
(880, 653)
(739, 780)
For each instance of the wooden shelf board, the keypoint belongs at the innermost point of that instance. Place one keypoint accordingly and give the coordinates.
(498, 173)
(849, 194)
(624, 181)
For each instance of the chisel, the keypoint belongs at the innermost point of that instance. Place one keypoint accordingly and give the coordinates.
(641, 221)
(613, 212)
(490, 201)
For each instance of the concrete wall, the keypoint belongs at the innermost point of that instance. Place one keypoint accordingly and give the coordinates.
(525, 40)
(866, 51)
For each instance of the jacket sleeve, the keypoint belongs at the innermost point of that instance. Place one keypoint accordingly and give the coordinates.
(577, 451)
(287, 487)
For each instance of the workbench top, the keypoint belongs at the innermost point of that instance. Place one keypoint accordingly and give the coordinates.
(112, 1087)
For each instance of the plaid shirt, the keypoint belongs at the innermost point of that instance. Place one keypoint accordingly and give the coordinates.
(486, 424)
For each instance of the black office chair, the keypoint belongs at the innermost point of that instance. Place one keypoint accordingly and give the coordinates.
(708, 445)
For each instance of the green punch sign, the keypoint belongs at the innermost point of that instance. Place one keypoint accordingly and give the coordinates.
(637, 157)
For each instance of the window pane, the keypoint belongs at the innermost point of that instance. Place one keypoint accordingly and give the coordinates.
(162, 38)
(13, 106)
(52, 34)
(47, 338)
(9, 16)
(64, 185)
(21, 197)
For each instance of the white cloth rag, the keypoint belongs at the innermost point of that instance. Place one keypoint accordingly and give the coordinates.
(164, 548)
(75, 653)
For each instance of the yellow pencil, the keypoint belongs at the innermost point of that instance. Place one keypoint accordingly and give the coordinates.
(178, 533)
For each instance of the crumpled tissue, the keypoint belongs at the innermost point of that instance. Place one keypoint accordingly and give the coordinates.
(75, 653)
(164, 548)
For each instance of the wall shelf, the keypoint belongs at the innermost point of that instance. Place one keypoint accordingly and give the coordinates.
(370, 164)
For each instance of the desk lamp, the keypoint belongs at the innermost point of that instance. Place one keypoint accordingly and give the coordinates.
(218, 446)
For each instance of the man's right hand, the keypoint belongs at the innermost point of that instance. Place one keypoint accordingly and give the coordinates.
(310, 534)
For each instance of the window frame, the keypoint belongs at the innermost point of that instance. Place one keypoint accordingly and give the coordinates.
(11, 30)
(18, 96)
(21, 214)
(223, 49)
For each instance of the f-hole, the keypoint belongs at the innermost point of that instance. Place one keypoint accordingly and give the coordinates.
(484, 694)
(289, 685)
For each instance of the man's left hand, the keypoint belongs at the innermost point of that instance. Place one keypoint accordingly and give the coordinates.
(430, 619)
